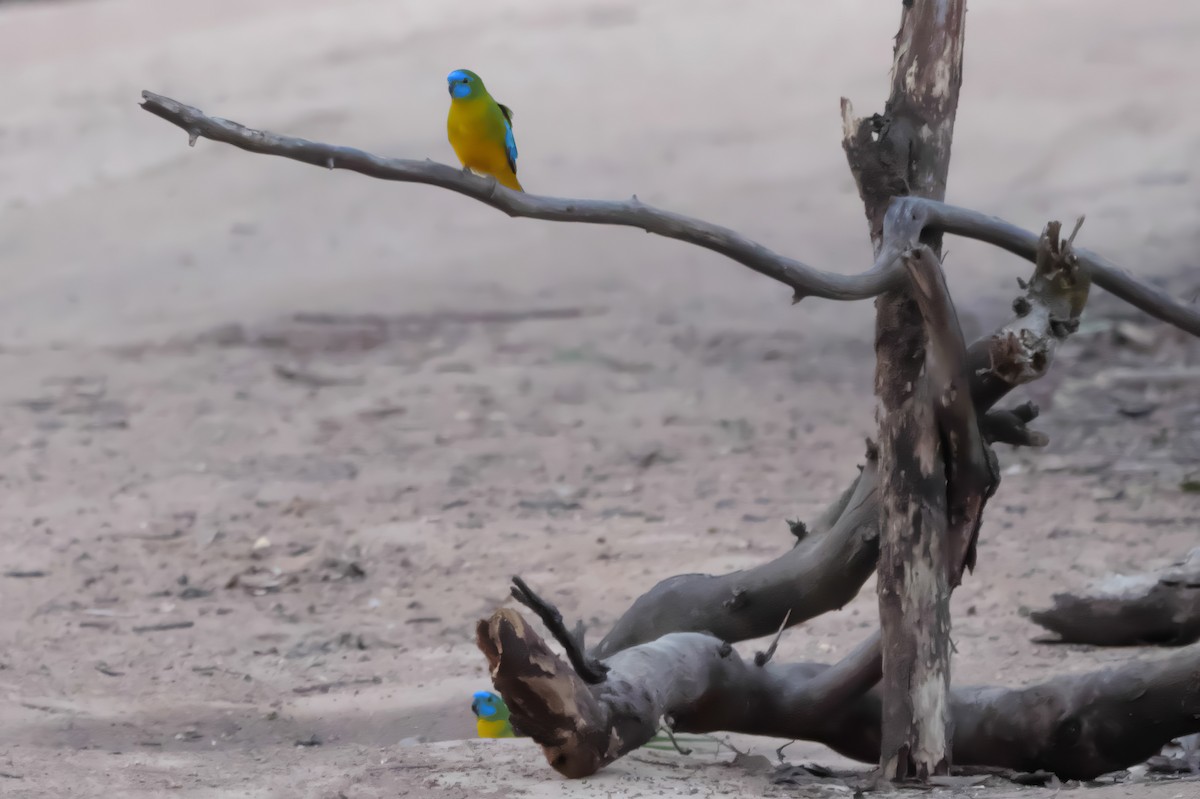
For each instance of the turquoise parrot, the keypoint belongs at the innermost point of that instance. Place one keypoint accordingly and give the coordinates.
(492, 721)
(491, 716)
(480, 129)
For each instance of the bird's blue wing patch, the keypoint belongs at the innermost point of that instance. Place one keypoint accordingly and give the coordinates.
(510, 147)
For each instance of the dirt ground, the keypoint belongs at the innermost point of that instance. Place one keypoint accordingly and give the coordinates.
(275, 438)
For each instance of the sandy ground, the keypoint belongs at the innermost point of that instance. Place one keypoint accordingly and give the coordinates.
(250, 585)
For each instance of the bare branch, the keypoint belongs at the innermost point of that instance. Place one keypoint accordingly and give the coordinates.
(804, 280)
(821, 573)
(1103, 272)
(972, 474)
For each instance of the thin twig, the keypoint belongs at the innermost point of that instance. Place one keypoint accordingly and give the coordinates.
(804, 280)
(312, 379)
(763, 658)
(591, 670)
(670, 733)
(164, 627)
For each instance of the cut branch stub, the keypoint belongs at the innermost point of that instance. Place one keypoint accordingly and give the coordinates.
(547, 699)
(1047, 313)
(1011, 426)
(589, 669)
(582, 728)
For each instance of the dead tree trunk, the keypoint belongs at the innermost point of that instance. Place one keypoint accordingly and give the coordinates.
(906, 151)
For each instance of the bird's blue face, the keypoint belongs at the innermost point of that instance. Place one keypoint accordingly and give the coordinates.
(486, 705)
(463, 83)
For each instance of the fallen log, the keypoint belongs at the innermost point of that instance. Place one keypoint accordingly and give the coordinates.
(1076, 726)
(1159, 609)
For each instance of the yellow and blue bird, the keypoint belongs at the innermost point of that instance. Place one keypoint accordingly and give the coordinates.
(480, 129)
(492, 721)
(491, 716)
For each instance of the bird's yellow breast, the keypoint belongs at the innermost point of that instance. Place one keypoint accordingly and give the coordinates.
(493, 729)
(476, 132)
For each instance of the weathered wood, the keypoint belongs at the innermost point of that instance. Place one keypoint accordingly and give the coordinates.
(972, 473)
(1077, 726)
(1160, 609)
(906, 151)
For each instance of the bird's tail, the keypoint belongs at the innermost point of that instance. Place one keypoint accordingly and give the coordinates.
(509, 180)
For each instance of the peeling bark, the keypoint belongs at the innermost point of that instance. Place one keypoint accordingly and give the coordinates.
(1046, 314)
(914, 587)
(906, 151)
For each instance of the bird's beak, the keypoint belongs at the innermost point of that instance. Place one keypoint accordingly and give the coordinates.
(450, 89)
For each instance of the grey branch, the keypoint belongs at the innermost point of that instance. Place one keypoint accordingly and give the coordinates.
(804, 280)
(821, 573)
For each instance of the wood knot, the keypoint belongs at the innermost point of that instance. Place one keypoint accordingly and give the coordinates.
(1061, 328)
(797, 528)
(737, 600)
